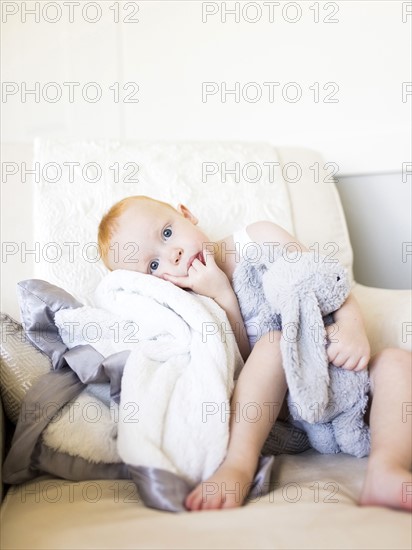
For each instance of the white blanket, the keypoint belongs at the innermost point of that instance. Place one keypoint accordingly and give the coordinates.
(178, 379)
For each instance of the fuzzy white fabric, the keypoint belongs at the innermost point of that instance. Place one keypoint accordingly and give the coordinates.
(95, 433)
(178, 379)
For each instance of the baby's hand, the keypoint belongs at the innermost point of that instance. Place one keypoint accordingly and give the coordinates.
(206, 279)
(349, 347)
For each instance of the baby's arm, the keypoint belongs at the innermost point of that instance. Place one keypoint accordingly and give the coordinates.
(229, 303)
(349, 347)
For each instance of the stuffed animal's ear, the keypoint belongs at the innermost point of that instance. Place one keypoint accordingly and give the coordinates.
(304, 355)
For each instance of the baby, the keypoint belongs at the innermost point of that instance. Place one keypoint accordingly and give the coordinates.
(149, 236)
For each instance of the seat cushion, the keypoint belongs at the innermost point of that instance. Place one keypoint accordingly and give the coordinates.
(313, 504)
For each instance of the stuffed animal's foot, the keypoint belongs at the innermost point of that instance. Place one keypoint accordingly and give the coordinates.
(388, 485)
(321, 437)
(353, 440)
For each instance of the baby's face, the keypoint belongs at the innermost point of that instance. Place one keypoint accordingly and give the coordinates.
(157, 240)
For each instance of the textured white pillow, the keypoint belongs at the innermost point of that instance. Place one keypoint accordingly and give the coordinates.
(69, 209)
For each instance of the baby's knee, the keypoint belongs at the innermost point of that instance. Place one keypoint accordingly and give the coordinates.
(393, 361)
(389, 357)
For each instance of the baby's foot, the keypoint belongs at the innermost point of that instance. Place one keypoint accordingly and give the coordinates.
(226, 488)
(387, 485)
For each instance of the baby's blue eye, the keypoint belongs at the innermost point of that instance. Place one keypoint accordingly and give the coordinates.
(167, 232)
(154, 265)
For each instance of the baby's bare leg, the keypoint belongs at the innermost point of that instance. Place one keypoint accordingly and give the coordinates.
(388, 480)
(261, 387)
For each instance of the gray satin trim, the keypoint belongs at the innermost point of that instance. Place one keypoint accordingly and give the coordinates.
(91, 367)
(85, 361)
(166, 491)
(75, 468)
(160, 489)
(261, 481)
(39, 301)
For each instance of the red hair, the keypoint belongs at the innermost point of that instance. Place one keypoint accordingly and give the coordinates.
(110, 223)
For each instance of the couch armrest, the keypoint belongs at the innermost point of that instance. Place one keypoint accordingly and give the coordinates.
(387, 314)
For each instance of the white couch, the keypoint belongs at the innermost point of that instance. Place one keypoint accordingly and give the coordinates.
(314, 501)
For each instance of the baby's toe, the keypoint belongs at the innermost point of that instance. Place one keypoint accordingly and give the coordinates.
(193, 501)
(212, 502)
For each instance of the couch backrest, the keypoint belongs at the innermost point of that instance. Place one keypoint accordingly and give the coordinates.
(317, 214)
(226, 184)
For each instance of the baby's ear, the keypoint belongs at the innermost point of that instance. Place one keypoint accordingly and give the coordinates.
(182, 209)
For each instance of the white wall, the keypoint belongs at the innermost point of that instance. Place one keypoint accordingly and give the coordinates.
(170, 52)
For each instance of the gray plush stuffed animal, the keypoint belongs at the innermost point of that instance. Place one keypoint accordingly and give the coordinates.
(298, 298)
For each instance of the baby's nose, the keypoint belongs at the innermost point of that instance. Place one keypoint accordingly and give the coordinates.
(177, 255)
